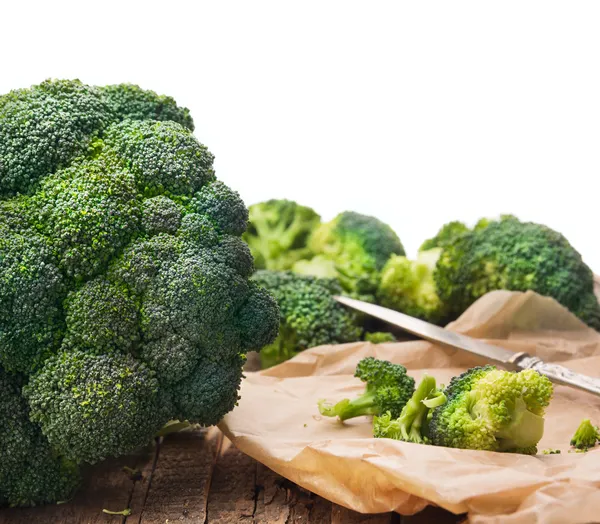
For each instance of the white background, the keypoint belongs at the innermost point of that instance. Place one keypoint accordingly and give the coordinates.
(418, 113)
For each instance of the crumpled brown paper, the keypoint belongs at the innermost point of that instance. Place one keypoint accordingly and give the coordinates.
(277, 423)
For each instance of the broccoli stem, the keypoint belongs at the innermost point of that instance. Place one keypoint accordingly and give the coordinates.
(525, 430)
(346, 409)
(412, 416)
(125, 512)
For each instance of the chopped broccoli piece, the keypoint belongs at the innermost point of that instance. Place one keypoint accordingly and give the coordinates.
(278, 233)
(310, 316)
(585, 436)
(551, 452)
(492, 409)
(518, 256)
(380, 337)
(388, 388)
(411, 425)
(126, 512)
(408, 286)
(354, 248)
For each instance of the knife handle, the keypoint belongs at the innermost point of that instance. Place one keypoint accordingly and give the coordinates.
(559, 374)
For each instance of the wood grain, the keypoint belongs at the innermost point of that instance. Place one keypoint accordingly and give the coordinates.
(199, 477)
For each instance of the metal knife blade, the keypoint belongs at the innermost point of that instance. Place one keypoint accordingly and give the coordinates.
(494, 354)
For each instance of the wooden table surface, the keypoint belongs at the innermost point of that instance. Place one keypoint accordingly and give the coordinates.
(198, 476)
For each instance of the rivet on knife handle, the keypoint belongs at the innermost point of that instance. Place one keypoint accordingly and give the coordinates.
(559, 374)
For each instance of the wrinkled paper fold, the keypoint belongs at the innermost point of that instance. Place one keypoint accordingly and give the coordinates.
(277, 423)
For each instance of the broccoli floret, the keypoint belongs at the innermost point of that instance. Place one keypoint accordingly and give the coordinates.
(380, 337)
(446, 234)
(585, 436)
(161, 215)
(128, 101)
(44, 128)
(492, 409)
(93, 407)
(408, 286)
(278, 233)
(388, 389)
(125, 299)
(310, 316)
(30, 471)
(223, 206)
(518, 256)
(412, 424)
(164, 157)
(31, 290)
(354, 248)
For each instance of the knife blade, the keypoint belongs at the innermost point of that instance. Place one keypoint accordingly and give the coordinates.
(492, 353)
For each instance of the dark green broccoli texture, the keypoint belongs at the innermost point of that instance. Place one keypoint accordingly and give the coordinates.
(278, 233)
(517, 256)
(388, 388)
(125, 299)
(310, 316)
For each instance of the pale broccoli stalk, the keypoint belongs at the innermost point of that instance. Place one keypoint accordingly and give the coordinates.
(411, 425)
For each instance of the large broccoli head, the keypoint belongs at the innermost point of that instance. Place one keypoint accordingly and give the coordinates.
(124, 281)
(492, 409)
(278, 233)
(518, 256)
(352, 248)
(310, 316)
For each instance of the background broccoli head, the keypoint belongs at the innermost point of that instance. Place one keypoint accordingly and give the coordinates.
(125, 299)
(352, 248)
(446, 234)
(278, 233)
(517, 256)
(310, 316)
(408, 286)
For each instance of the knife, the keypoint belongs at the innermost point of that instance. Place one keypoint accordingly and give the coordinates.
(495, 354)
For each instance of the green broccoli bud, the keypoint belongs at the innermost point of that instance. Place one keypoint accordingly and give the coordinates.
(585, 436)
(388, 389)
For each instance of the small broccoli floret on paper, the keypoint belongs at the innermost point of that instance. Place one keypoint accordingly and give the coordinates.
(388, 388)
